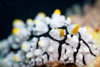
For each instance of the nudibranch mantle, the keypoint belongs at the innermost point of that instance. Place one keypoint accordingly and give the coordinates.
(44, 40)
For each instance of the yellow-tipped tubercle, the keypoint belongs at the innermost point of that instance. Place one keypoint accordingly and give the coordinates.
(61, 33)
(29, 19)
(15, 59)
(74, 31)
(93, 36)
(41, 13)
(35, 21)
(22, 46)
(57, 29)
(34, 52)
(86, 28)
(14, 31)
(38, 42)
(17, 21)
(57, 11)
(95, 45)
(69, 18)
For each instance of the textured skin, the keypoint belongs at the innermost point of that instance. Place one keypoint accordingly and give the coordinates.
(95, 63)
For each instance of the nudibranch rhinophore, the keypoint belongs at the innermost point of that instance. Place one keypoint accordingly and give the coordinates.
(44, 40)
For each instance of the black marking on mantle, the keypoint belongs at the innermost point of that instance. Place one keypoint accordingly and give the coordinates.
(88, 47)
(62, 42)
(75, 53)
(84, 60)
(47, 55)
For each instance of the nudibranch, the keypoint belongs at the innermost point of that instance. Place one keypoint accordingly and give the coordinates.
(44, 40)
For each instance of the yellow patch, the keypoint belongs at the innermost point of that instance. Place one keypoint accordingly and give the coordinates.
(69, 18)
(61, 33)
(95, 45)
(57, 11)
(22, 46)
(41, 14)
(35, 21)
(17, 21)
(74, 31)
(86, 28)
(93, 36)
(57, 29)
(15, 59)
(29, 19)
(14, 31)
(38, 42)
(34, 52)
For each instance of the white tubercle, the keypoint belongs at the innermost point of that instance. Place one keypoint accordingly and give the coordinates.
(56, 22)
(47, 20)
(57, 33)
(73, 29)
(40, 16)
(37, 52)
(18, 23)
(25, 46)
(68, 21)
(34, 42)
(21, 33)
(18, 57)
(30, 22)
(51, 49)
(44, 42)
(40, 27)
(29, 55)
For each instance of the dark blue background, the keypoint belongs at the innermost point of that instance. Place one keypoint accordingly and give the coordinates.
(23, 9)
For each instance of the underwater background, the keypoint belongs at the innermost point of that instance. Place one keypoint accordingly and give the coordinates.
(24, 9)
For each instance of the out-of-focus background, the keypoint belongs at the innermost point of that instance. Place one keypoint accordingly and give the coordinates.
(23, 9)
(87, 15)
